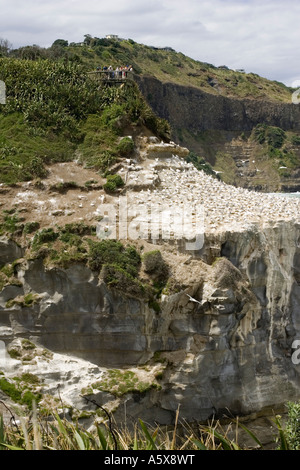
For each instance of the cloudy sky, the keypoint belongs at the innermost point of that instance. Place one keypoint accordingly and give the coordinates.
(259, 36)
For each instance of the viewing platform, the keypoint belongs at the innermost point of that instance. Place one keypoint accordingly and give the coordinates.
(111, 77)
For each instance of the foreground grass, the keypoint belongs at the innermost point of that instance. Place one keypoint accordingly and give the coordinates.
(57, 433)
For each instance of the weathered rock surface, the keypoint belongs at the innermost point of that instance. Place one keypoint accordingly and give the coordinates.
(223, 336)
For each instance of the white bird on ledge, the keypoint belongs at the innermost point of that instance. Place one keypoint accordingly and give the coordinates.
(193, 300)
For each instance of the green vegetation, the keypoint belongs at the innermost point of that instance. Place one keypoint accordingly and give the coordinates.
(125, 107)
(53, 109)
(201, 164)
(111, 252)
(113, 182)
(10, 222)
(23, 301)
(8, 276)
(293, 426)
(64, 186)
(163, 63)
(45, 235)
(27, 352)
(295, 140)
(31, 227)
(27, 344)
(19, 392)
(278, 147)
(274, 136)
(118, 265)
(116, 277)
(126, 147)
(64, 246)
(118, 383)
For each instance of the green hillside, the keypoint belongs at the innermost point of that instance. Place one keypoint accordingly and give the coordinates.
(54, 110)
(163, 63)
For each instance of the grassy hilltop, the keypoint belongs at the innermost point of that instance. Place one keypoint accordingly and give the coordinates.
(163, 63)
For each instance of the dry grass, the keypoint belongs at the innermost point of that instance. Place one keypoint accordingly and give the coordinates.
(57, 433)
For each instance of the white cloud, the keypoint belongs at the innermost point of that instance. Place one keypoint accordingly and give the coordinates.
(261, 37)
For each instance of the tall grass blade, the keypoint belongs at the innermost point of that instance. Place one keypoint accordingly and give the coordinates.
(79, 441)
(175, 429)
(64, 431)
(102, 439)
(226, 443)
(251, 434)
(199, 444)
(284, 445)
(151, 443)
(10, 447)
(2, 433)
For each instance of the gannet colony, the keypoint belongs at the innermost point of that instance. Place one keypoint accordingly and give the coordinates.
(174, 183)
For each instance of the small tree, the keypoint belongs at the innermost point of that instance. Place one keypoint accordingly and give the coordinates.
(5, 47)
(60, 42)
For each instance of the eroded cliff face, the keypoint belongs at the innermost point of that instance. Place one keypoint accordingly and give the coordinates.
(222, 339)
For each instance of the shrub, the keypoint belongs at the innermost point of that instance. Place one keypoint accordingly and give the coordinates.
(112, 252)
(113, 182)
(64, 186)
(45, 235)
(274, 136)
(125, 147)
(78, 228)
(293, 426)
(25, 397)
(201, 164)
(10, 389)
(155, 265)
(11, 223)
(260, 133)
(35, 168)
(49, 93)
(31, 227)
(119, 278)
(296, 140)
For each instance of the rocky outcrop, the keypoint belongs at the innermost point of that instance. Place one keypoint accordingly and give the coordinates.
(9, 251)
(223, 334)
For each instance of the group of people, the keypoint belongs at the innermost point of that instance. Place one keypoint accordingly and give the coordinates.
(119, 72)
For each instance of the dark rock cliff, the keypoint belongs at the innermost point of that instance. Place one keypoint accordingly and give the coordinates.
(196, 110)
(219, 129)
